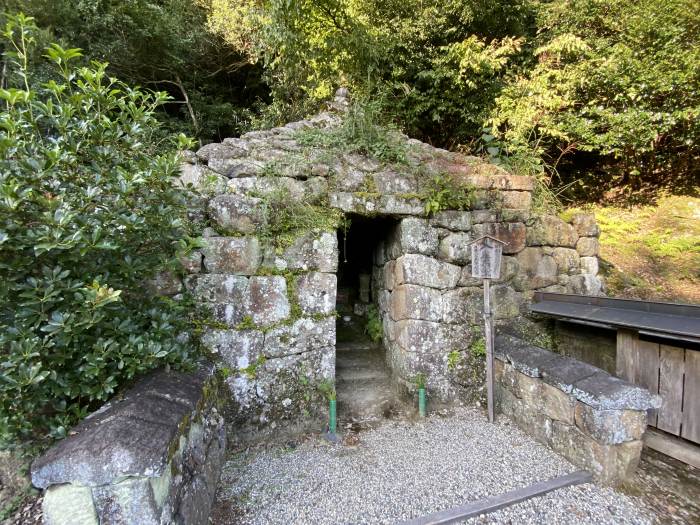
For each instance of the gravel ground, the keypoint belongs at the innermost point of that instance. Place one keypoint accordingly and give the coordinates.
(405, 469)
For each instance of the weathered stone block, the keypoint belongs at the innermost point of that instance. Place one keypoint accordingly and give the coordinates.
(585, 225)
(389, 181)
(230, 314)
(350, 179)
(229, 150)
(192, 262)
(390, 276)
(454, 220)
(316, 292)
(463, 305)
(611, 427)
(236, 348)
(237, 213)
(268, 299)
(454, 248)
(588, 246)
(551, 231)
(234, 255)
(519, 200)
(505, 302)
(202, 179)
(585, 284)
(420, 336)
(303, 335)
(555, 404)
(352, 203)
(313, 251)
(399, 205)
(537, 270)
(416, 236)
(129, 501)
(69, 505)
(409, 301)
(218, 288)
(511, 233)
(589, 265)
(567, 259)
(609, 464)
(424, 271)
(605, 392)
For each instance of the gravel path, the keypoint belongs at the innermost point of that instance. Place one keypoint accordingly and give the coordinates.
(403, 470)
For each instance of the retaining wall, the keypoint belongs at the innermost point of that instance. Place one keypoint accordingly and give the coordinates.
(153, 456)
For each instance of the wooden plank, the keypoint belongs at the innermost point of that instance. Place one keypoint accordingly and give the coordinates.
(673, 446)
(626, 365)
(487, 505)
(691, 397)
(648, 358)
(670, 389)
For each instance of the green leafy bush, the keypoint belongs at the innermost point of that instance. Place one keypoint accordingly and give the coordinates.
(88, 212)
(374, 327)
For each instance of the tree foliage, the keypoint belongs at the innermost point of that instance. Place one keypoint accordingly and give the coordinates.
(161, 45)
(616, 79)
(87, 213)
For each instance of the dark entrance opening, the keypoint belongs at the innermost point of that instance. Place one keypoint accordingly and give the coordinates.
(363, 380)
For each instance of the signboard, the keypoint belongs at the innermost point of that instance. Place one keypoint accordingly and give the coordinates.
(486, 257)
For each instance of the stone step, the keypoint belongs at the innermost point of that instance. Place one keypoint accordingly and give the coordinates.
(356, 346)
(357, 373)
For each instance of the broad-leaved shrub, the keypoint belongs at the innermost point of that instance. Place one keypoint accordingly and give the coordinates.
(88, 212)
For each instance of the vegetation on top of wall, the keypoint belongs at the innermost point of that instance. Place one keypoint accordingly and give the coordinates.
(364, 130)
(88, 212)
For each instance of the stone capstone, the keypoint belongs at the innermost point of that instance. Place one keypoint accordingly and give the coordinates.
(144, 458)
(317, 250)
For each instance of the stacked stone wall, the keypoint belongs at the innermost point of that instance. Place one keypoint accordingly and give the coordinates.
(590, 417)
(270, 306)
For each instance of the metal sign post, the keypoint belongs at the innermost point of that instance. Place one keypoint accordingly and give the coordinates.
(486, 264)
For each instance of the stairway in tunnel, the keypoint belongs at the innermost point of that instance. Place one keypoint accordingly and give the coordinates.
(362, 378)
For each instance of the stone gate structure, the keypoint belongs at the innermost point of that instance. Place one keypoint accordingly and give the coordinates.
(266, 277)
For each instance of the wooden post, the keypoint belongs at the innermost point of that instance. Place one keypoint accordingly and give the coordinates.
(488, 336)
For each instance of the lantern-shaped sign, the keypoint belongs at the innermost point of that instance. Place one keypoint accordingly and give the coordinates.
(486, 257)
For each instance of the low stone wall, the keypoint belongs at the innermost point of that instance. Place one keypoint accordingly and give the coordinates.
(593, 419)
(153, 456)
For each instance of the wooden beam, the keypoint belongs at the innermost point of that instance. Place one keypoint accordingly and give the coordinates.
(673, 446)
(487, 505)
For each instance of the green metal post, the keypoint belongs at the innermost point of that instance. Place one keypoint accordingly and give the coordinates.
(421, 402)
(331, 416)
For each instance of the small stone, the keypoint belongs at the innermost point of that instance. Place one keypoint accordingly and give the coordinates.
(588, 246)
(585, 225)
(551, 231)
(589, 265)
(455, 248)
